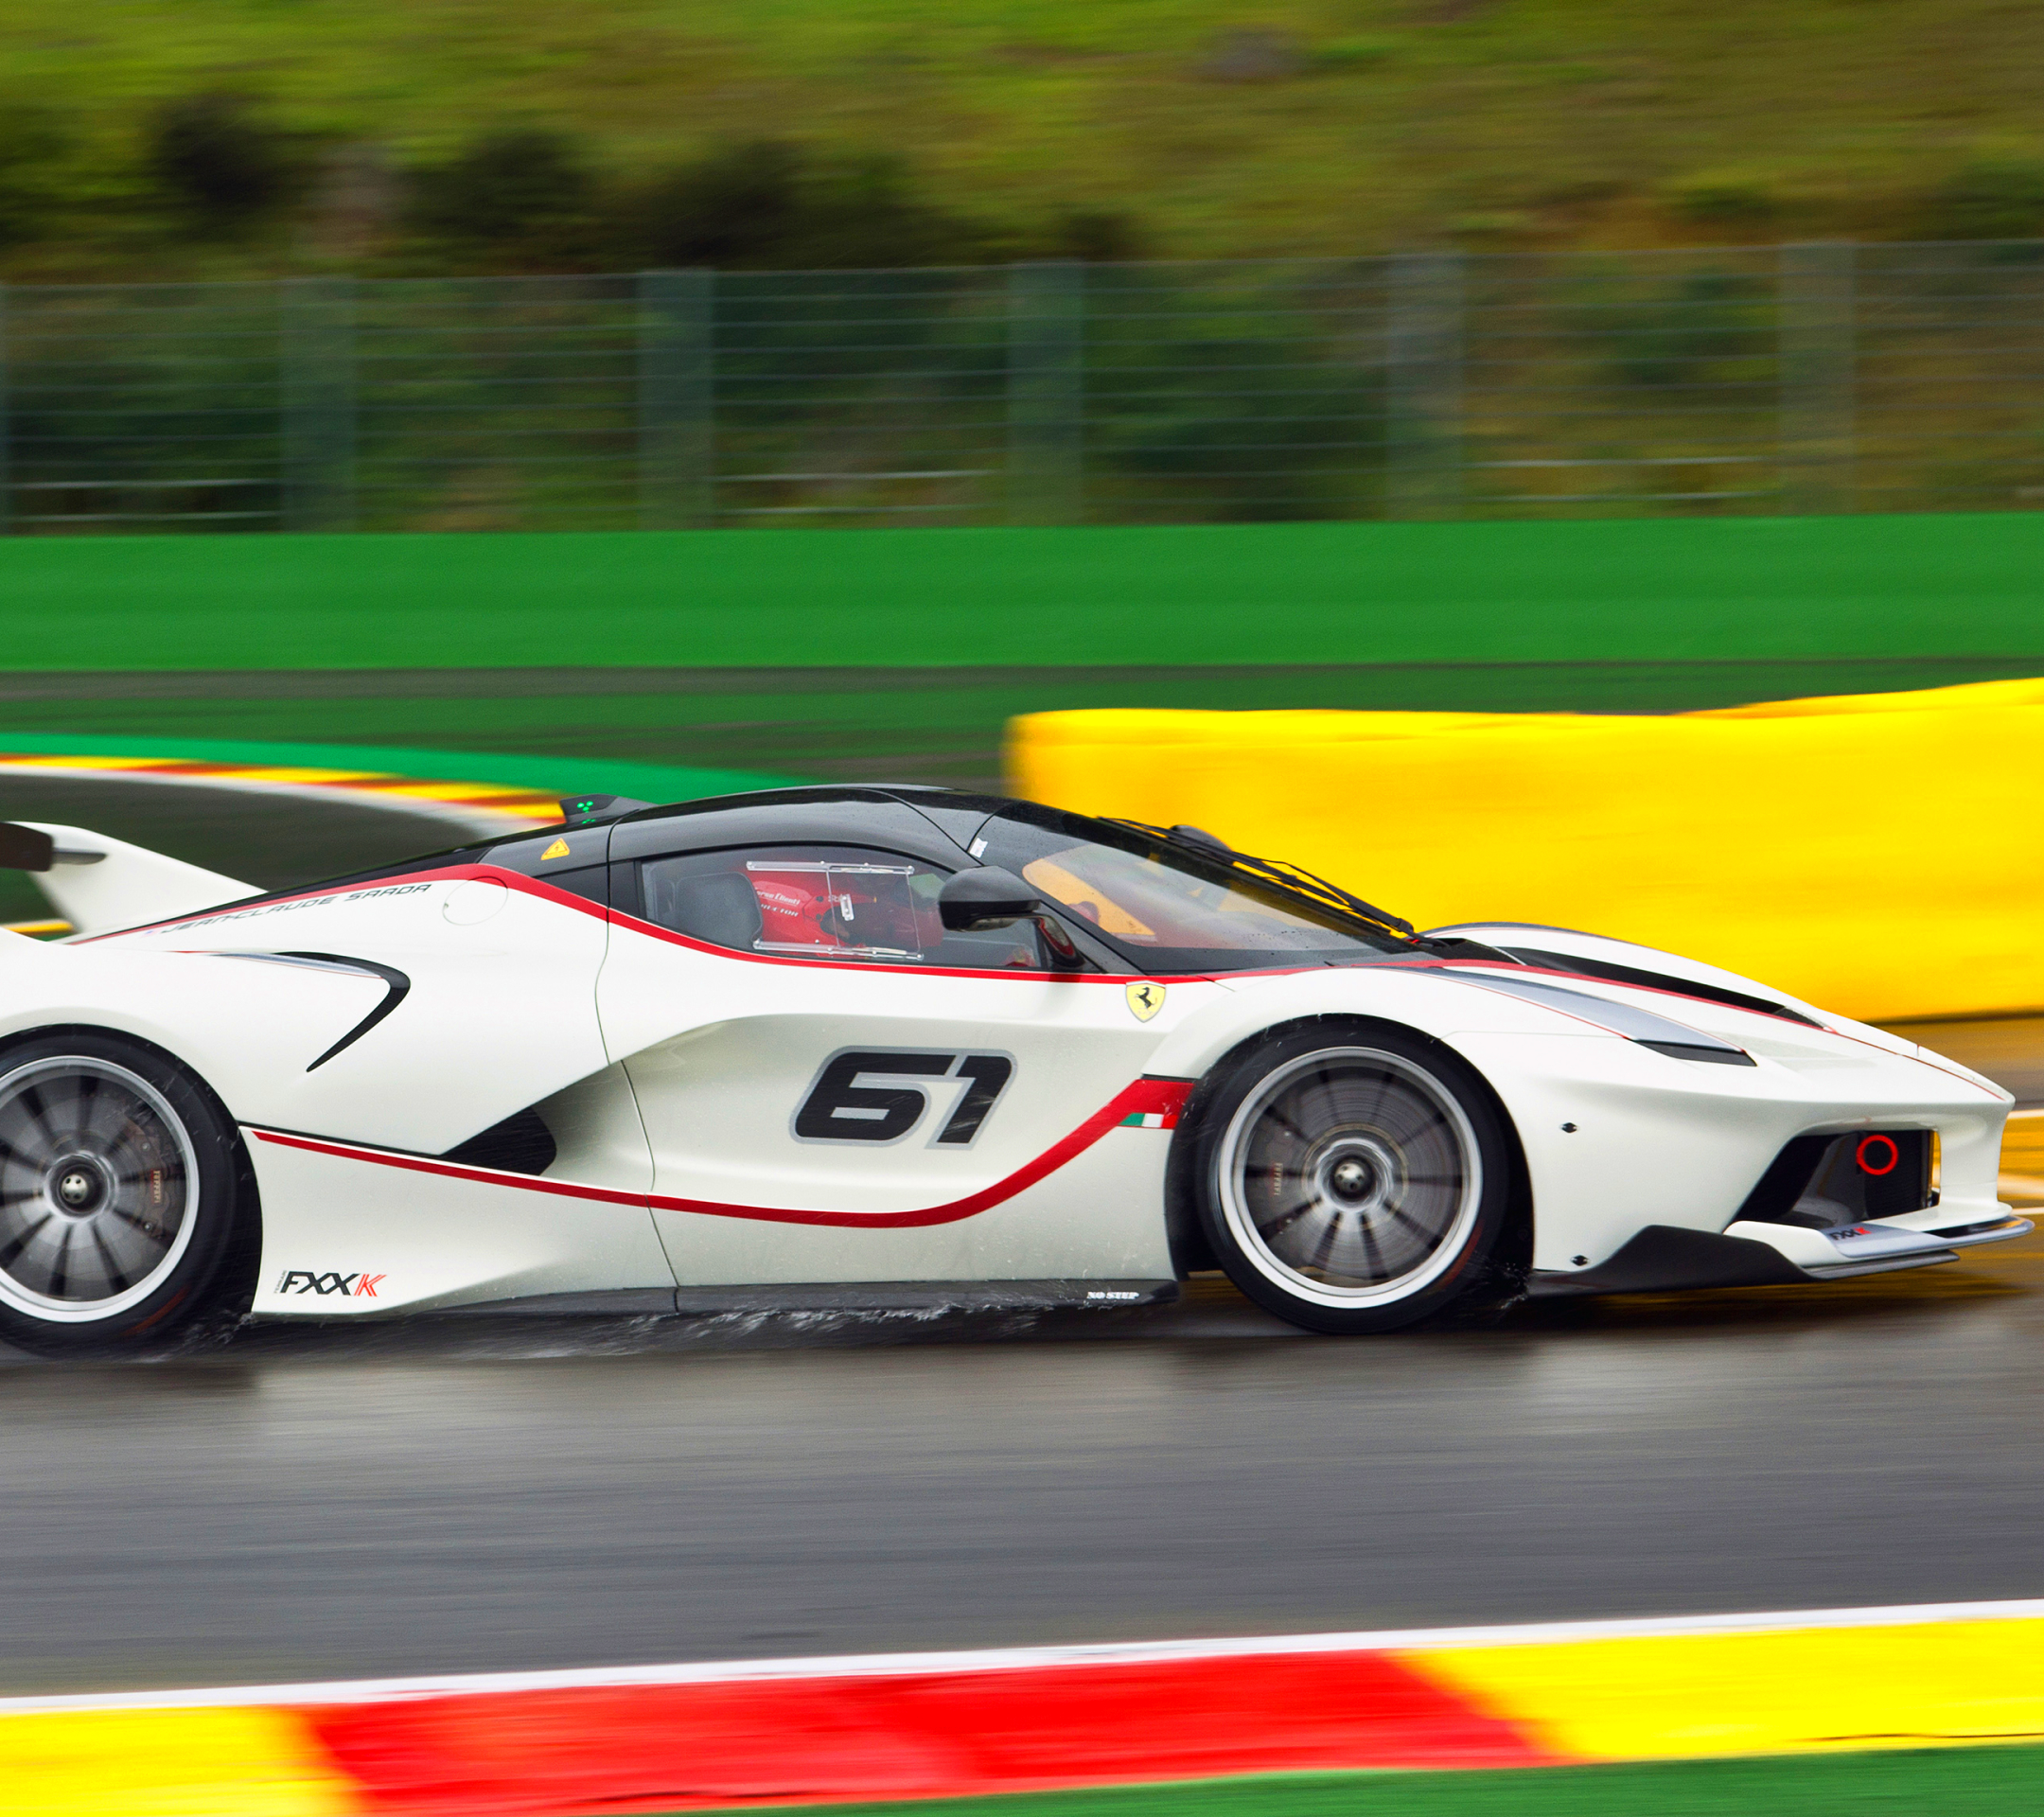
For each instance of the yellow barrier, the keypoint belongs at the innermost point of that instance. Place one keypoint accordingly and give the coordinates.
(1864, 852)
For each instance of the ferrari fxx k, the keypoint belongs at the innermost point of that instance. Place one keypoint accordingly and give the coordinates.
(896, 1047)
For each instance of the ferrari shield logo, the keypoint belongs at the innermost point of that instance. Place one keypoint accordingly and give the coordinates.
(1145, 999)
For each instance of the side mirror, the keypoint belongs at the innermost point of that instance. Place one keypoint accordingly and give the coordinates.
(22, 848)
(988, 897)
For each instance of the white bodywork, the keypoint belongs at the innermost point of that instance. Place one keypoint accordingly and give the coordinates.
(668, 1072)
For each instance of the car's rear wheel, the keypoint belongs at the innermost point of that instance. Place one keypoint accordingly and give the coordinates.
(1353, 1177)
(122, 1196)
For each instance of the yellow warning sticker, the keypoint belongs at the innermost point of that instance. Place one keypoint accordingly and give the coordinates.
(1145, 999)
(557, 850)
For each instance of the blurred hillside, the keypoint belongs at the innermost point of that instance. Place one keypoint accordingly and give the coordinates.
(225, 138)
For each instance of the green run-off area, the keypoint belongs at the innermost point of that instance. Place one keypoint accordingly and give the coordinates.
(1947, 1782)
(1652, 590)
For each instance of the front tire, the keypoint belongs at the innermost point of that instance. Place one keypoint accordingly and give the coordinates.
(122, 1196)
(1352, 1178)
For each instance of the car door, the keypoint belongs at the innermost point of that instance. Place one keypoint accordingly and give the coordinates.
(835, 1090)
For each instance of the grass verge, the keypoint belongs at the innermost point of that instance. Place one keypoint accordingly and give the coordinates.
(579, 728)
(1950, 1782)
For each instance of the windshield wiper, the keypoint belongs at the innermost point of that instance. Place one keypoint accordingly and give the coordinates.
(1287, 877)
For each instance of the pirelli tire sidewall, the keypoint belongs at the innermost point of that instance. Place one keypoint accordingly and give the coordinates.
(1471, 1274)
(213, 1279)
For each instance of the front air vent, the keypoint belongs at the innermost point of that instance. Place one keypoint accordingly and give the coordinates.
(520, 1144)
(1823, 1181)
(1715, 1056)
(1646, 981)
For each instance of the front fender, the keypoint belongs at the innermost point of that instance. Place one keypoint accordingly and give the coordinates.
(1615, 1134)
(1418, 999)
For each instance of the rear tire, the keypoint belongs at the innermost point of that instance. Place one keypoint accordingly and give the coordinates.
(1352, 1178)
(124, 1198)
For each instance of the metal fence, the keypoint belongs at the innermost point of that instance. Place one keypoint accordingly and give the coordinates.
(1810, 377)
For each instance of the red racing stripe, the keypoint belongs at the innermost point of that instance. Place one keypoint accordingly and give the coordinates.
(1167, 1095)
(938, 1734)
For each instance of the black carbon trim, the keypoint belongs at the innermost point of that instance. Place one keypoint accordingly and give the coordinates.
(398, 985)
(1787, 1178)
(1694, 1050)
(521, 1144)
(927, 1295)
(828, 1296)
(1659, 981)
(1665, 1259)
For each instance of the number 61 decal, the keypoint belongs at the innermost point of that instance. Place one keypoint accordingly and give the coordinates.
(842, 1107)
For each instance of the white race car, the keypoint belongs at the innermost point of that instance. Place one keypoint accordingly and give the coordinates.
(887, 1047)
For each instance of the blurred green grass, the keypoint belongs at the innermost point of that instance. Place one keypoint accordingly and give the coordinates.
(1224, 128)
(1950, 1782)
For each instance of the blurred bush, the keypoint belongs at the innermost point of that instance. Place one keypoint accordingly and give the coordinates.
(777, 206)
(32, 146)
(1709, 328)
(222, 162)
(522, 191)
(1993, 196)
(1099, 237)
(1736, 196)
(1243, 408)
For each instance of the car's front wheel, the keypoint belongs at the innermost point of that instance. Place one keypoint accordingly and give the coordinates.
(1352, 1178)
(122, 1198)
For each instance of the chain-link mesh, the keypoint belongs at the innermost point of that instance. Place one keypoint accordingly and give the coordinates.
(1812, 378)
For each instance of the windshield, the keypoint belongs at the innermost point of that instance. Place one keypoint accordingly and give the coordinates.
(1168, 908)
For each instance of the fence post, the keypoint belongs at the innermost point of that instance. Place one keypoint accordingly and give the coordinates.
(1047, 392)
(1423, 333)
(1817, 381)
(677, 398)
(316, 398)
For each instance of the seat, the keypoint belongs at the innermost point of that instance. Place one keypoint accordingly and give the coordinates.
(721, 909)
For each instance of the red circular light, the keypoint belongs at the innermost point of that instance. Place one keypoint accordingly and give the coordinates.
(1876, 1144)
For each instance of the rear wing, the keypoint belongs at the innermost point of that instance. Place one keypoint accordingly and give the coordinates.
(98, 883)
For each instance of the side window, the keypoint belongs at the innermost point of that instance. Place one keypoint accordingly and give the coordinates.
(825, 902)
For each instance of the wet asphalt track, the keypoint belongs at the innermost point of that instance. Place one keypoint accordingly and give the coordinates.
(468, 1494)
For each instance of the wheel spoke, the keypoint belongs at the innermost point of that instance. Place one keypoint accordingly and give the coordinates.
(1325, 1247)
(149, 1243)
(1290, 1128)
(1406, 1221)
(1378, 1271)
(118, 1279)
(1407, 1135)
(60, 1263)
(32, 1107)
(16, 1244)
(1285, 1219)
(84, 1107)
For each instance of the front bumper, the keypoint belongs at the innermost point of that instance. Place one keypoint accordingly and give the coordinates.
(1667, 1259)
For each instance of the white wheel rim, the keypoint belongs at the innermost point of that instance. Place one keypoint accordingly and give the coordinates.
(1350, 1177)
(99, 1188)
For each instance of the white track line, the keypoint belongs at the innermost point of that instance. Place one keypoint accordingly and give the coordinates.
(1009, 1659)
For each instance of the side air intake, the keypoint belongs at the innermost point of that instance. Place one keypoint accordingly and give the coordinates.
(521, 1144)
